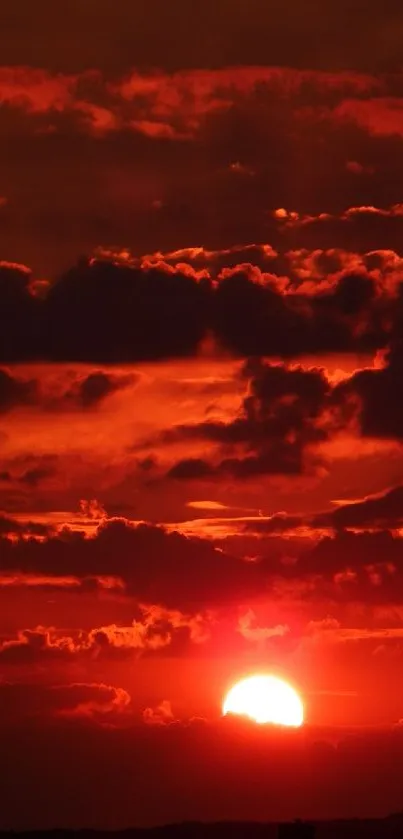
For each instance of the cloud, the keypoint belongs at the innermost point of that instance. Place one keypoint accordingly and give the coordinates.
(191, 469)
(155, 629)
(154, 565)
(9, 526)
(279, 421)
(202, 259)
(358, 227)
(39, 582)
(250, 629)
(182, 145)
(19, 318)
(380, 116)
(193, 577)
(372, 560)
(35, 90)
(381, 512)
(90, 391)
(330, 631)
(155, 314)
(31, 471)
(147, 310)
(33, 645)
(15, 392)
(174, 105)
(288, 413)
(278, 523)
(84, 392)
(207, 505)
(161, 715)
(33, 477)
(371, 396)
(21, 701)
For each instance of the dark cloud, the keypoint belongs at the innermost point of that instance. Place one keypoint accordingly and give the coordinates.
(19, 318)
(279, 421)
(154, 630)
(16, 392)
(191, 469)
(121, 314)
(155, 566)
(278, 523)
(190, 574)
(21, 701)
(11, 526)
(33, 477)
(20, 582)
(33, 645)
(365, 228)
(374, 396)
(85, 392)
(153, 161)
(379, 512)
(90, 391)
(361, 567)
(104, 311)
(27, 474)
(355, 551)
(289, 410)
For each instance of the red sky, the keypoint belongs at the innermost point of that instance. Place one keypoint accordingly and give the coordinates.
(201, 416)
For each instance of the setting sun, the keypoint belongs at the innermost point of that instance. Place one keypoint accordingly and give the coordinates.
(265, 699)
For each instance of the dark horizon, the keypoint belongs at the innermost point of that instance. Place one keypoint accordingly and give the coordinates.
(295, 829)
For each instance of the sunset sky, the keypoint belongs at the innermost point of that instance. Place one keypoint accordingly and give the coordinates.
(201, 407)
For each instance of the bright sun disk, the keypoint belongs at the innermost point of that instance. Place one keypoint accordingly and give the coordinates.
(265, 699)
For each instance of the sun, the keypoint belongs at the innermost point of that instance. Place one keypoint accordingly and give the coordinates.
(265, 699)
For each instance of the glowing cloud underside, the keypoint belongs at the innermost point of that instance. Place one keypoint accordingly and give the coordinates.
(265, 699)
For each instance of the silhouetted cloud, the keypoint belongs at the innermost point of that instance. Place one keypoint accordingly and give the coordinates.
(90, 391)
(373, 396)
(16, 392)
(11, 526)
(21, 701)
(155, 566)
(378, 512)
(129, 312)
(155, 629)
(84, 392)
(279, 420)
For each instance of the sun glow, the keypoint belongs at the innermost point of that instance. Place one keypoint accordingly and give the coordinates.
(265, 699)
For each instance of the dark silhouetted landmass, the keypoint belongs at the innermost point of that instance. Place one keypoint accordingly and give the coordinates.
(386, 828)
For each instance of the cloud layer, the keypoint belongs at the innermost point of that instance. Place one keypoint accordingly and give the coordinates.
(152, 310)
